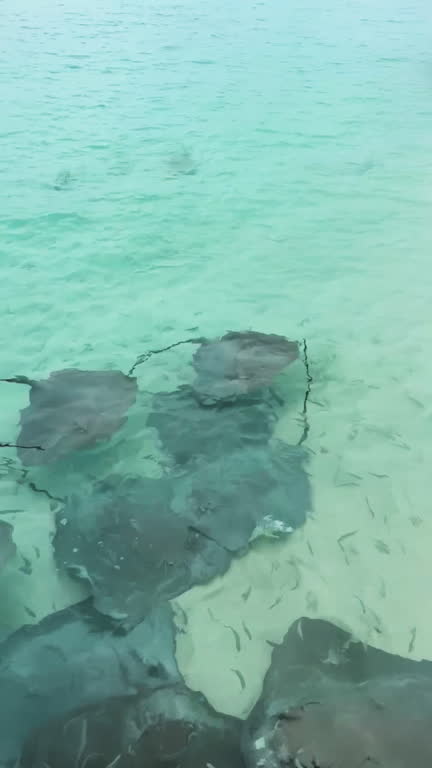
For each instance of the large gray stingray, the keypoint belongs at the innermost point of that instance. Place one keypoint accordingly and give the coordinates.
(7, 544)
(258, 490)
(240, 363)
(168, 728)
(72, 410)
(71, 661)
(125, 540)
(189, 431)
(329, 702)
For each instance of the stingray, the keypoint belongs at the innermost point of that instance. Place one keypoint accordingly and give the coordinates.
(71, 661)
(188, 430)
(169, 727)
(328, 701)
(255, 491)
(7, 544)
(182, 164)
(62, 181)
(127, 543)
(240, 364)
(72, 410)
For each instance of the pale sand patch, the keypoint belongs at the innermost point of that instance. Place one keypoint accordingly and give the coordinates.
(362, 560)
(31, 586)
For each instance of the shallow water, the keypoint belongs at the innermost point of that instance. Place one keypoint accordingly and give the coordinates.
(183, 169)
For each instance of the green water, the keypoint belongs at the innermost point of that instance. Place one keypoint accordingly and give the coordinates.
(175, 168)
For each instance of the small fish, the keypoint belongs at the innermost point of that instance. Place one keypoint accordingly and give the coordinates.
(297, 573)
(246, 631)
(369, 506)
(402, 444)
(342, 539)
(416, 521)
(413, 639)
(30, 612)
(346, 536)
(272, 644)
(362, 605)
(309, 450)
(236, 636)
(37, 552)
(310, 548)
(377, 623)
(382, 546)
(416, 402)
(276, 602)
(246, 594)
(240, 677)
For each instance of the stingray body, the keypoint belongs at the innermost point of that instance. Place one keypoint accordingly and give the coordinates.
(234, 496)
(171, 727)
(62, 181)
(125, 540)
(7, 544)
(71, 661)
(189, 431)
(182, 163)
(72, 410)
(385, 723)
(240, 363)
(371, 709)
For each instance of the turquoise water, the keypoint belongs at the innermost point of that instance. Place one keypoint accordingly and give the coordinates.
(177, 169)
(310, 127)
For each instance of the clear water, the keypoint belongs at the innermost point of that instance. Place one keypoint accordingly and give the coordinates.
(176, 168)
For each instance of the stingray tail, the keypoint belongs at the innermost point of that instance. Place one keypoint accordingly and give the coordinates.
(20, 380)
(144, 357)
